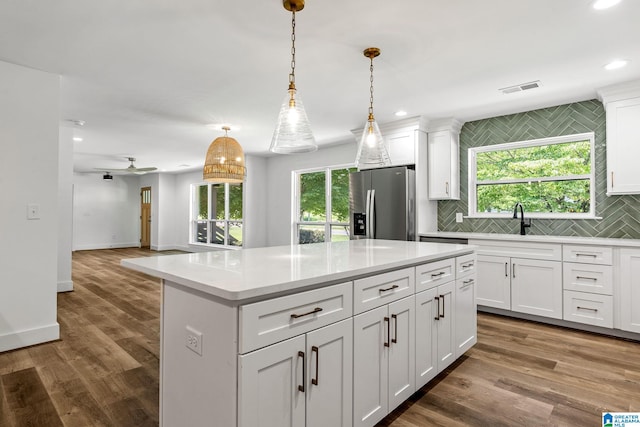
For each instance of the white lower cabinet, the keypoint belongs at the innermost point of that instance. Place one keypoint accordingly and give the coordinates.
(303, 381)
(536, 287)
(529, 286)
(383, 360)
(629, 301)
(494, 281)
(466, 315)
(435, 326)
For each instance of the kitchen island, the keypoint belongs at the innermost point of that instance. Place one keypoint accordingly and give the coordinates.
(322, 334)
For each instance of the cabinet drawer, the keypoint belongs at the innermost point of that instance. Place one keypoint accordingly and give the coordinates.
(434, 274)
(381, 289)
(266, 322)
(588, 278)
(529, 250)
(587, 254)
(591, 309)
(465, 265)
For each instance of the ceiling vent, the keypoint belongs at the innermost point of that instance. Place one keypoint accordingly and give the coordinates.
(521, 87)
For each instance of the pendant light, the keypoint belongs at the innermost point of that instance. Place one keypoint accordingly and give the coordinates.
(293, 131)
(225, 160)
(372, 150)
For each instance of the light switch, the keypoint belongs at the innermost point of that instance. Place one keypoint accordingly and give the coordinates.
(33, 211)
(458, 216)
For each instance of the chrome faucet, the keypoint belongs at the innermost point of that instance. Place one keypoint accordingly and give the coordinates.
(523, 224)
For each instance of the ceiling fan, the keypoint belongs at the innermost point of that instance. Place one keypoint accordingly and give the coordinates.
(131, 169)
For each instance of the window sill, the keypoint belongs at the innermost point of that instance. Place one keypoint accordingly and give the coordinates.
(534, 216)
(204, 247)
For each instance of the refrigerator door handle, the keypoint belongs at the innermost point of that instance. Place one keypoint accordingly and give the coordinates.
(367, 218)
(372, 208)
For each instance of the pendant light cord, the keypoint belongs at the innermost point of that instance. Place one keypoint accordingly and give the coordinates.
(371, 90)
(292, 75)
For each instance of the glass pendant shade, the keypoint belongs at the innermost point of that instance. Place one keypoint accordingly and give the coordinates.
(225, 161)
(372, 151)
(293, 131)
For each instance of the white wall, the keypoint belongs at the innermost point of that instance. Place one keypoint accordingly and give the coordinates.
(29, 121)
(106, 213)
(65, 208)
(278, 207)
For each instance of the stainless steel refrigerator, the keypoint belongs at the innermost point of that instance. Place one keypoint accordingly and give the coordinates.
(382, 204)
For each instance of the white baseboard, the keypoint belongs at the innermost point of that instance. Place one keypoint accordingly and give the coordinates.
(29, 337)
(65, 286)
(95, 246)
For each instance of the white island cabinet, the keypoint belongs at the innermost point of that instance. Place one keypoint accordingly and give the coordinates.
(306, 335)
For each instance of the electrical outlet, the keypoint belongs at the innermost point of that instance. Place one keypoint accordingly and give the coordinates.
(193, 340)
(458, 216)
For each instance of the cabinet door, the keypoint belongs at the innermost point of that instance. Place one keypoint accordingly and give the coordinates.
(268, 388)
(623, 135)
(446, 325)
(629, 290)
(442, 154)
(536, 287)
(466, 314)
(402, 367)
(401, 147)
(370, 366)
(426, 337)
(494, 281)
(330, 376)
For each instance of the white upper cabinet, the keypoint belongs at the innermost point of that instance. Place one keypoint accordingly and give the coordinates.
(443, 154)
(622, 103)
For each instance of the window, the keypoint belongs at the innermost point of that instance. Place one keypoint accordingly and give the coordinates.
(321, 205)
(551, 177)
(217, 214)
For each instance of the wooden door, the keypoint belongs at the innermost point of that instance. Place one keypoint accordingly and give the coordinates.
(145, 217)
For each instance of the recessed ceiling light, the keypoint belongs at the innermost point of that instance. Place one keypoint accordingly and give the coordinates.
(77, 139)
(605, 4)
(614, 65)
(400, 113)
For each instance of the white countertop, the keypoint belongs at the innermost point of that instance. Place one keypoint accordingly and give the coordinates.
(248, 273)
(634, 243)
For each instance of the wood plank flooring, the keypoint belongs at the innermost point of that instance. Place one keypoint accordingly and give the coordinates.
(104, 369)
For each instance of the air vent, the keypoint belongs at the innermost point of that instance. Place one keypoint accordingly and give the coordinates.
(521, 87)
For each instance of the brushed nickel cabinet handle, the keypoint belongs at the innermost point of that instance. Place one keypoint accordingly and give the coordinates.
(446, 188)
(437, 308)
(395, 332)
(315, 310)
(304, 370)
(315, 350)
(386, 343)
(389, 289)
(612, 179)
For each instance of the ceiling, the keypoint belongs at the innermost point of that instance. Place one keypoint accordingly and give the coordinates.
(149, 79)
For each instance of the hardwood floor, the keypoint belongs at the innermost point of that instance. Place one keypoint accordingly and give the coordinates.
(104, 369)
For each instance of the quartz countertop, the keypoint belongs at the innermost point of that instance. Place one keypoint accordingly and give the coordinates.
(236, 275)
(573, 240)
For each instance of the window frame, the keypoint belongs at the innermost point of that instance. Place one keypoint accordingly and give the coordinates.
(473, 182)
(295, 202)
(211, 221)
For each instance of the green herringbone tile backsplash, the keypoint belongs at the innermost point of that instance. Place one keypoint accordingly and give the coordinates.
(620, 214)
